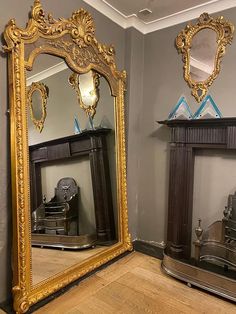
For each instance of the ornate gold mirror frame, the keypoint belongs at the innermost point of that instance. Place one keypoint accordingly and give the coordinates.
(44, 92)
(224, 32)
(72, 39)
(74, 81)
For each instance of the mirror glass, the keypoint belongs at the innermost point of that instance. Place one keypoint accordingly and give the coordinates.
(89, 94)
(73, 189)
(37, 104)
(202, 54)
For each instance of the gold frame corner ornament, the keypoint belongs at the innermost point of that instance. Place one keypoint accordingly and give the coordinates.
(224, 30)
(82, 52)
(44, 93)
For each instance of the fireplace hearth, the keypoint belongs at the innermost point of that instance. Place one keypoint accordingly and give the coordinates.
(187, 137)
(217, 244)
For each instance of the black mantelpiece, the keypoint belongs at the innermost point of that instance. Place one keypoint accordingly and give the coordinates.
(92, 144)
(186, 137)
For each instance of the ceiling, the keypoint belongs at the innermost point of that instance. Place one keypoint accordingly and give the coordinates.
(159, 13)
(159, 8)
(165, 13)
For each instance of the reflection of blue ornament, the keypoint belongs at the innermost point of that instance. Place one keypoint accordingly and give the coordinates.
(181, 110)
(77, 129)
(105, 123)
(208, 109)
(90, 124)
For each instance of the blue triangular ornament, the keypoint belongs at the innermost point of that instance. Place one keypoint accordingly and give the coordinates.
(76, 126)
(181, 110)
(208, 109)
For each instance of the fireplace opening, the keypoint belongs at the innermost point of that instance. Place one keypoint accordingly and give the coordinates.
(206, 195)
(79, 169)
(214, 181)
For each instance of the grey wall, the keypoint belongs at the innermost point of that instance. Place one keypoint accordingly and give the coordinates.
(134, 99)
(163, 84)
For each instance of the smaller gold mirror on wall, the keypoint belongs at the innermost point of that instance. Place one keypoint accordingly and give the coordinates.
(202, 46)
(37, 95)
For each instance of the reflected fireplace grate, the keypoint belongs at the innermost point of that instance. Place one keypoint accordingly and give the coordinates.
(60, 214)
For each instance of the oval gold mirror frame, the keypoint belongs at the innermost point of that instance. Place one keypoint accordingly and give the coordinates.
(73, 40)
(224, 32)
(44, 92)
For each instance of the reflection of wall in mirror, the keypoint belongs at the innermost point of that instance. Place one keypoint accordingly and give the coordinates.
(202, 54)
(37, 105)
(62, 107)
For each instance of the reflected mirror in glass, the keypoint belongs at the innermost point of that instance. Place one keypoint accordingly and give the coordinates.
(88, 88)
(36, 104)
(73, 188)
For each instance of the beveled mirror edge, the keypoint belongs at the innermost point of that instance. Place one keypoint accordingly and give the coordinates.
(23, 294)
(224, 30)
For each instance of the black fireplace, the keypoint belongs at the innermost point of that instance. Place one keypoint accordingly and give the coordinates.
(188, 136)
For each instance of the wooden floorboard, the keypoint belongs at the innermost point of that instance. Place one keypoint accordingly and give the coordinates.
(135, 284)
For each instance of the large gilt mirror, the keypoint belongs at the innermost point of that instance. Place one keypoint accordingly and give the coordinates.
(203, 46)
(69, 188)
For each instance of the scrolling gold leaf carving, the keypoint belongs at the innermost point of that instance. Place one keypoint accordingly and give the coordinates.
(80, 26)
(83, 57)
(20, 291)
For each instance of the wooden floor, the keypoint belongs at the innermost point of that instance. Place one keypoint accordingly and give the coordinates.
(135, 284)
(48, 262)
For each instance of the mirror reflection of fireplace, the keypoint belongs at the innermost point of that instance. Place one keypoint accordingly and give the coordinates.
(59, 220)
